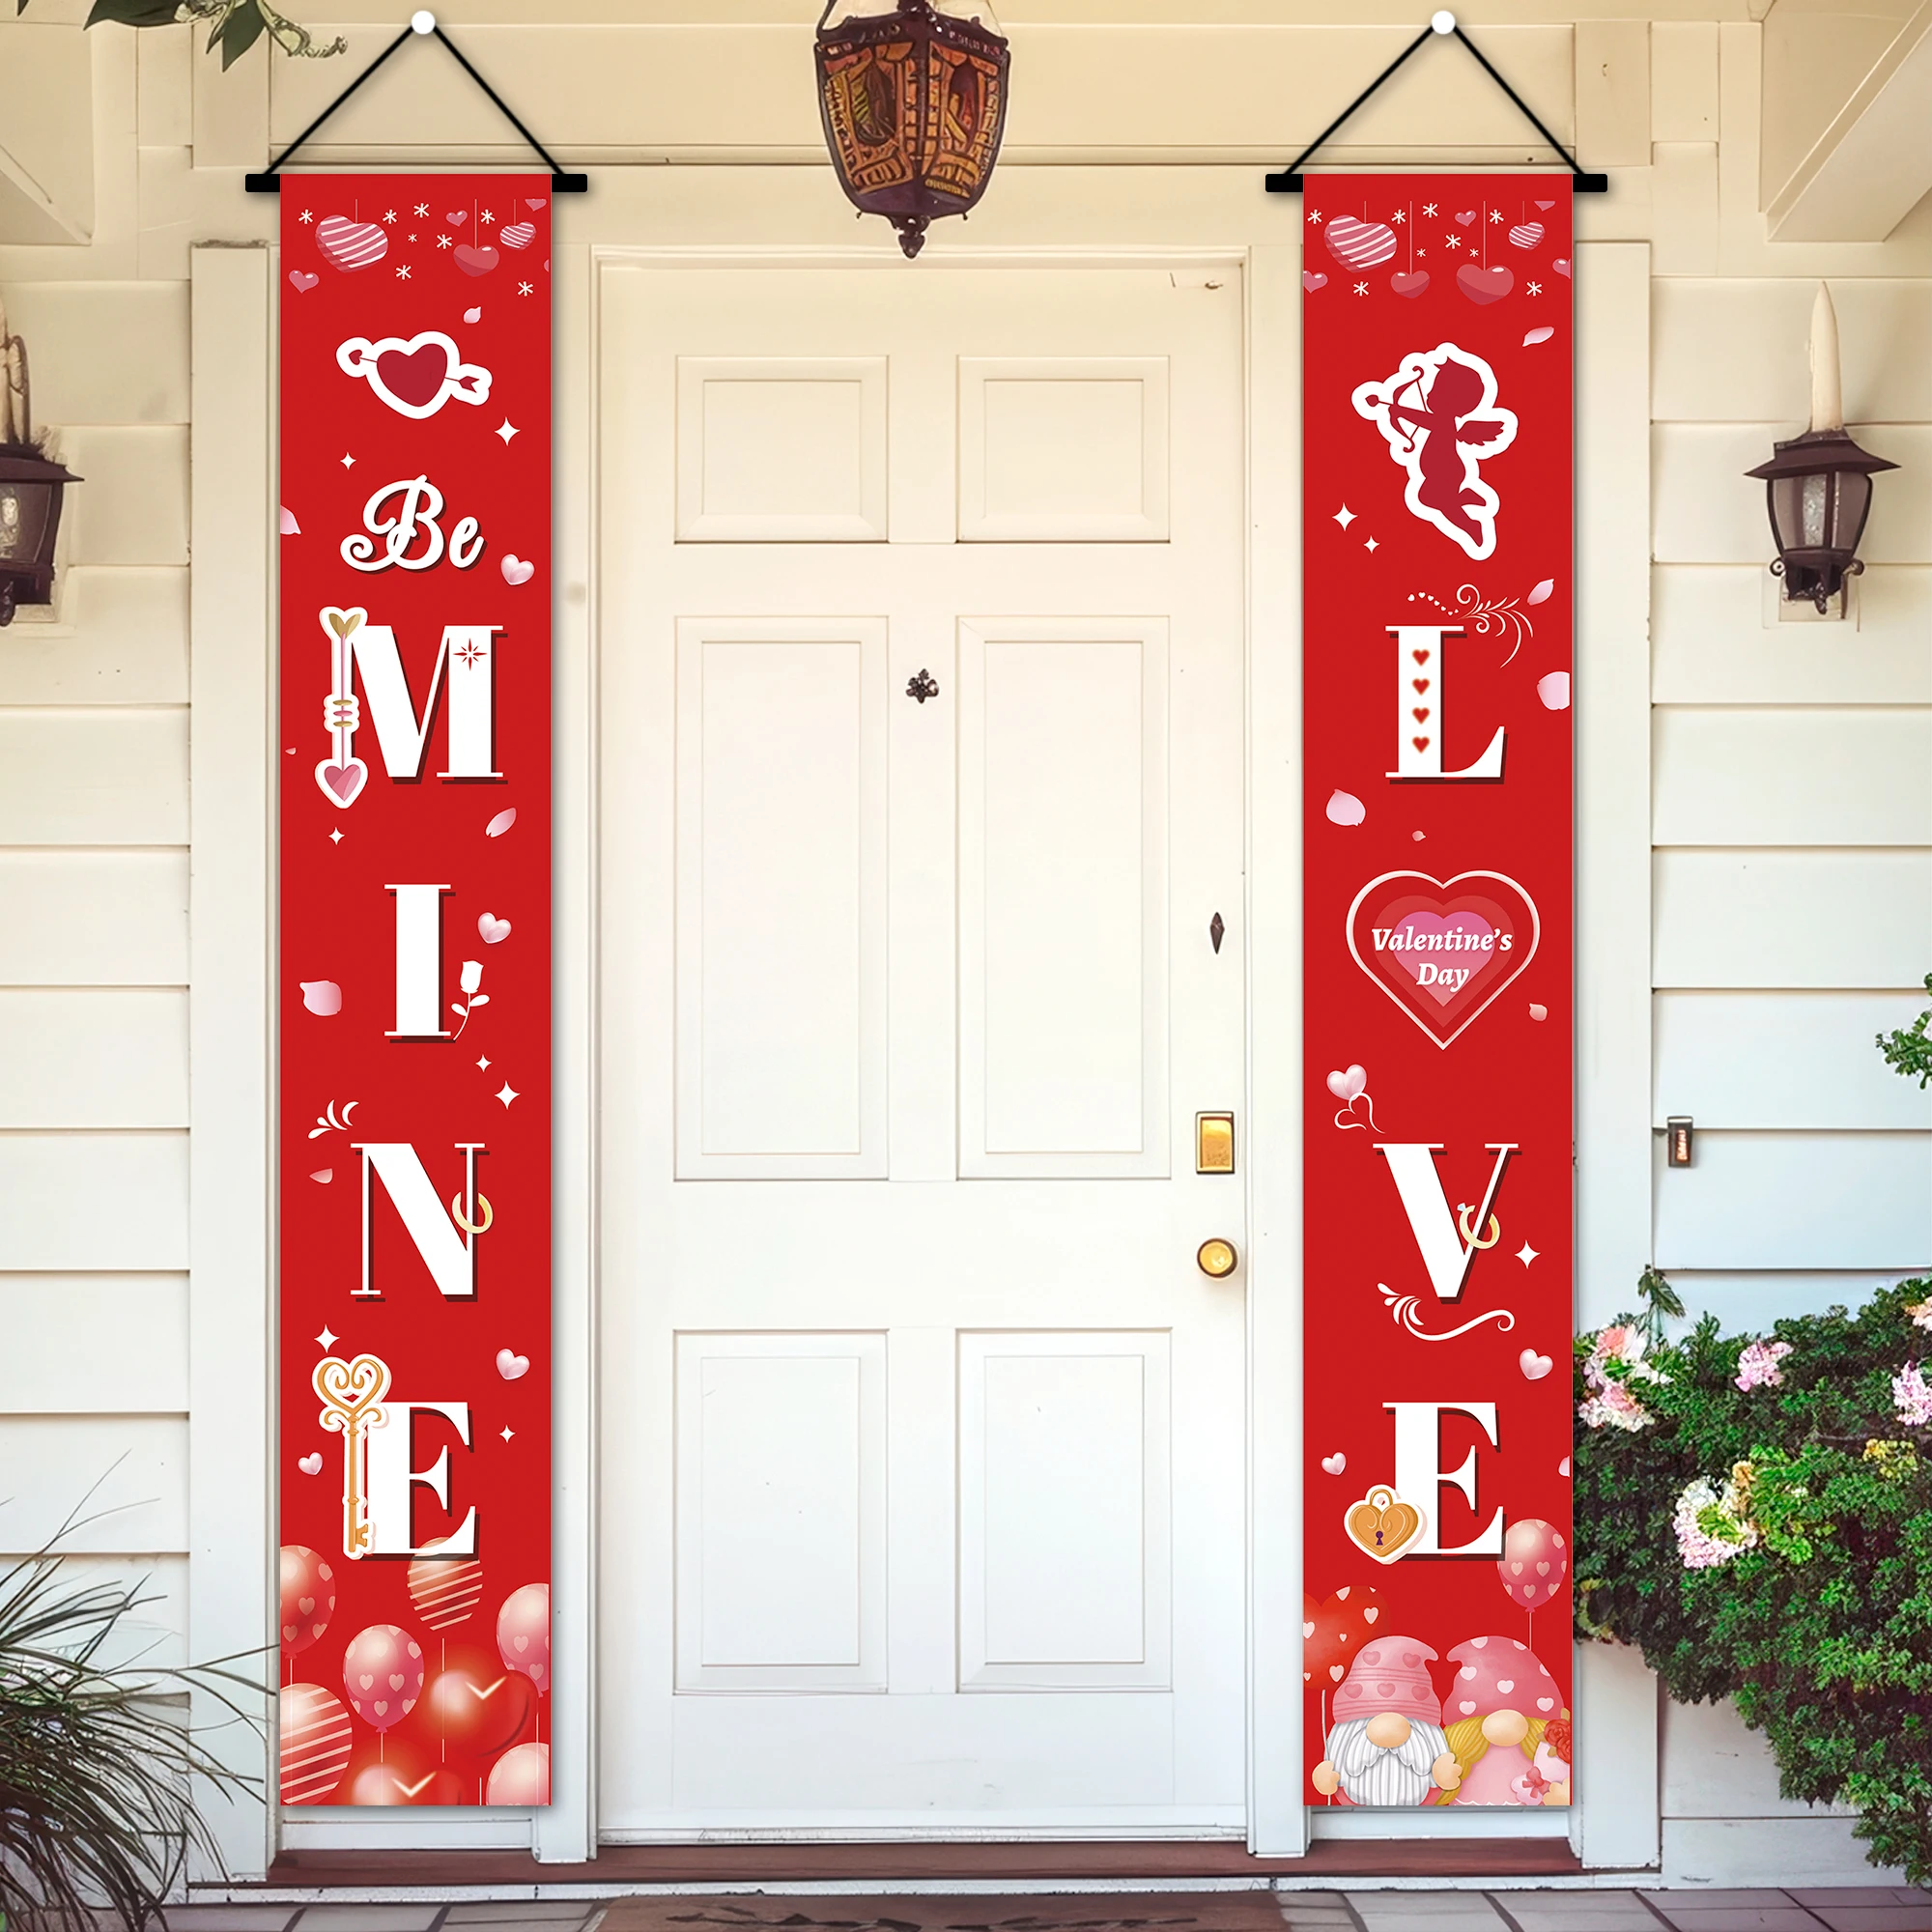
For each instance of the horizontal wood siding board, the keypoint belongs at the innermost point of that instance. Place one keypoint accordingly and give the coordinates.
(154, 1635)
(94, 1057)
(93, 918)
(1816, 1850)
(107, 1202)
(104, 351)
(1796, 1201)
(79, 1344)
(1715, 1768)
(126, 1476)
(94, 777)
(1714, 639)
(1704, 509)
(688, 88)
(125, 643)
(1845, 775)
(1784, 1059)
(133, 507)
(1828, 918)
(1735, 349)
(1753, 1299)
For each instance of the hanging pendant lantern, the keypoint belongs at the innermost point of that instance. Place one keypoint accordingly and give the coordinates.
(913, 103)
(30, 490)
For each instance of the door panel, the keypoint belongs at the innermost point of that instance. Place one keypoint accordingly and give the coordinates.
(923, 1436)
(1063, 903)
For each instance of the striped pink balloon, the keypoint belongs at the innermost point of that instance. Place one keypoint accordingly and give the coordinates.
(445, 1589)
(1359, 244)
(315, 1743)
(1526, 234)
(349, 245)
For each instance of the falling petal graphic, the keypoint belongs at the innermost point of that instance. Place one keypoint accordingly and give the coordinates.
(1345, 809)
(1554, 691)
(1537, 335)
(501, 824)
(1541, 591)
(290, 528)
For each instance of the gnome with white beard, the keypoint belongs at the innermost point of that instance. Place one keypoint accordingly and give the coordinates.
(1386, 1745)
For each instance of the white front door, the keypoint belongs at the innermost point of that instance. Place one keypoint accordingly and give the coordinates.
(921, 947)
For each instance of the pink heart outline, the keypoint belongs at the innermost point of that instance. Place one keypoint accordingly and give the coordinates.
(1444, 886)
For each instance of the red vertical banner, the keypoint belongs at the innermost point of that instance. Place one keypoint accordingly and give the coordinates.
(1437, 346)
(415, 1006)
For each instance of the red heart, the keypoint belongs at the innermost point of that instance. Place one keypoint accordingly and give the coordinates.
(1484, 285)
(1420, 714)
(1410, 286)
(1421, 657)
(415, 378)
(478, 1708)
(457, 216)
(477, 261)
(1464, 220)
(1443, 949)
(1420, 744)
(1420, 683)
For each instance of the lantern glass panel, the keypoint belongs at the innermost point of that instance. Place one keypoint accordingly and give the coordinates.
(23, 519)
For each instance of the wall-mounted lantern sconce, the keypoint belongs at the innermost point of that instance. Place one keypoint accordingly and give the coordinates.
(30, 489)
(914, 102)
(1818, 485)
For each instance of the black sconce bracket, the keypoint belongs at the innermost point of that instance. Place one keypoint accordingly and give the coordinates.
(1290, 179)
(269, 181)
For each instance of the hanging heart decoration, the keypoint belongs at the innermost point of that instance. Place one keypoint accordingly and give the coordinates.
(349, 245)
(1525, 234)
(1359, 244)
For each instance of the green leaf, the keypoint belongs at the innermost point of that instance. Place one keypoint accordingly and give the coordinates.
(239, 32)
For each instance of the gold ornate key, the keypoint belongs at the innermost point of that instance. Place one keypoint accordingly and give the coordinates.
(351, 1396)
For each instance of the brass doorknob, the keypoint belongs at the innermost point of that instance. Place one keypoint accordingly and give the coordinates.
(1217, 1259)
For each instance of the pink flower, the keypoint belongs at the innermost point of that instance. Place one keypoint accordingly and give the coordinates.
(1920, 1313)
(1757, 1366)
(1911, 1396)
(1614, 1406)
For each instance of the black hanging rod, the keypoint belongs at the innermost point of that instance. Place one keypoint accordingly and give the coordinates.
(1288, 180)
(269, 182)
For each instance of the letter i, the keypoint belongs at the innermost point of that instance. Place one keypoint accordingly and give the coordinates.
(418, 962)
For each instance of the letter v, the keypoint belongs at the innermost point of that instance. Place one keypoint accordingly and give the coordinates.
(1445, 1254)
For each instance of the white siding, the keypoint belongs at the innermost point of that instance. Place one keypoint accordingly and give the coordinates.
(94, 886)
(1792, 816)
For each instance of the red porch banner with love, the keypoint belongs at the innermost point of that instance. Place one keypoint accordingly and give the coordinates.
(415, 991)
(1436, 640)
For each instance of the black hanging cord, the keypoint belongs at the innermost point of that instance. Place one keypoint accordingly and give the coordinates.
(561, 182)
(1290, 179)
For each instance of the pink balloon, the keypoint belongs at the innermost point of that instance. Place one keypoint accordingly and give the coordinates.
(1535, 1560)
(315, 1743)
(523, 1633)
(522, 1775)
(383, 1674)
(308, 1597)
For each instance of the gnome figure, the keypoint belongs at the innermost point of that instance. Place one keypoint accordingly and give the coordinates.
(1506, 1726)
(1387, 1745)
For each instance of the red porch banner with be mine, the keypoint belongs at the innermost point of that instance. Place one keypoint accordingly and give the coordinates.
(414, 1005)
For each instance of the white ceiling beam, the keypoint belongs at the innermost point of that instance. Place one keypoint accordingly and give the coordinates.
(1873, 164)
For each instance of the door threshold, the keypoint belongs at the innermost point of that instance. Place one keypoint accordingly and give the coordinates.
(1018, 1863)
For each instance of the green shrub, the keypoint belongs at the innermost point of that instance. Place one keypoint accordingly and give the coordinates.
(1798, 1578)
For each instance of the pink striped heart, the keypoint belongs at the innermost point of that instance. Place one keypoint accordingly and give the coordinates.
(349, 245)
(1526, 234)
(1359, 244)
(518, 235)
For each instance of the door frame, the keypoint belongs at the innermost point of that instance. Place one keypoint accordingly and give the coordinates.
(1041, 215)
